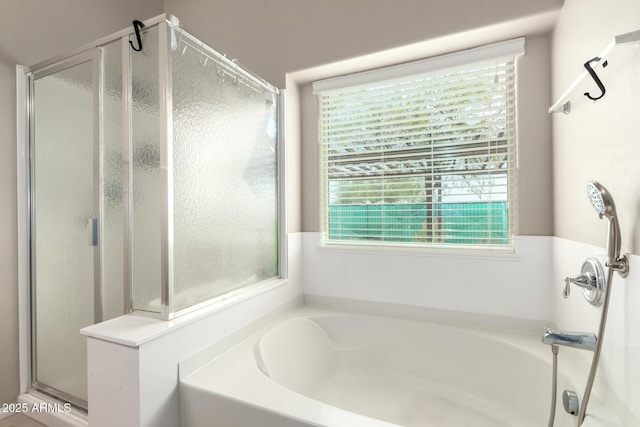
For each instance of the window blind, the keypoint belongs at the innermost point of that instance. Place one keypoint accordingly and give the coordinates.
(422, 158)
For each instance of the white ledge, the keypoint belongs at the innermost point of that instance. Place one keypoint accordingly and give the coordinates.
(133, 330)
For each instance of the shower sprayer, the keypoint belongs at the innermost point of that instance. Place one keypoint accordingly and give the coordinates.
(602, 202)
(591, 276)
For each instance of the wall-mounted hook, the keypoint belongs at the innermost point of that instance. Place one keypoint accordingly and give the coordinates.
(137, 25)
(595, 77)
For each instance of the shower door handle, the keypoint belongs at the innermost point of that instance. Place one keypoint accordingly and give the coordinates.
(92, 228)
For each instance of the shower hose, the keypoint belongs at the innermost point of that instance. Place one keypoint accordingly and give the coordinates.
(596, 353)
(554, 384)
(594, 361)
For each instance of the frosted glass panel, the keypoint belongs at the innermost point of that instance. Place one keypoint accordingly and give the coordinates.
(225, 211)
(62, 203)
(146, 178)
(113, 218)
(222, 203)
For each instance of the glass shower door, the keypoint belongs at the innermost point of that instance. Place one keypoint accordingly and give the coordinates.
(65, 255)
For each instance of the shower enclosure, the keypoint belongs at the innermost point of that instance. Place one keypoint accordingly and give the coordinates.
(153, 188)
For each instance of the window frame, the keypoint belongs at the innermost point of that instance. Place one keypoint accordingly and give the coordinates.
(511, 49)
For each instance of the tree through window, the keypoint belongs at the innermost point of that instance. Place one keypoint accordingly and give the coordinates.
(426, 158)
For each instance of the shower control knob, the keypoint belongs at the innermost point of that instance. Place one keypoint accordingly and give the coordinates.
(592, 281)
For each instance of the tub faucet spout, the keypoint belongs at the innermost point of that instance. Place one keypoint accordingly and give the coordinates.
(581, 340)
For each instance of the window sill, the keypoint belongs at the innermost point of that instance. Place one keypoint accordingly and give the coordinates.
(507, 254)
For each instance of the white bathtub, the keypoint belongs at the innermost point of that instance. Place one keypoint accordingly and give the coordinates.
(323, 368)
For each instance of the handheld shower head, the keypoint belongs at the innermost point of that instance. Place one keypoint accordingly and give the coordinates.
(603, 204)
(601, 199)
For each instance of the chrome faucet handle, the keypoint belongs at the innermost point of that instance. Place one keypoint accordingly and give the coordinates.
(586, 281)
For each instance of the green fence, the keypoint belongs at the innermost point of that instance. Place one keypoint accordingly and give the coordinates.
(457, 223)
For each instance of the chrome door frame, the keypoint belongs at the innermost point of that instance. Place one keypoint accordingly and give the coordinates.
(93, 56)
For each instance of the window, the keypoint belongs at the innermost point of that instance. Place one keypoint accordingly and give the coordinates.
(422, 153)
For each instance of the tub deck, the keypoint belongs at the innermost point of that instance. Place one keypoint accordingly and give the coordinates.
(319, 367)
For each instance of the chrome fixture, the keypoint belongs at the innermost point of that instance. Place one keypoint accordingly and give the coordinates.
(579, 340)
(592, 281)
(583, 280)
(597, 290)
(570, 402)
(554, 384)
(603, 204)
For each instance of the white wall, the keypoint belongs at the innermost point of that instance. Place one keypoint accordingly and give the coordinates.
(619, 367)
(133, 361)
(509, 285)
(599, 141)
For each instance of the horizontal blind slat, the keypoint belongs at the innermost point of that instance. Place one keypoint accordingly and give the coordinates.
(402, 161)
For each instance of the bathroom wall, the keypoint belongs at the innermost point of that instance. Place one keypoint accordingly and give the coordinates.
(275, 37)
(292, 43)
(534, 143)
(9, 380)
(510, 286)
(32, 31)
(309, 41)
(599, 141)
(133, 360)
(425, 279)
(35, 30)
(619, 367)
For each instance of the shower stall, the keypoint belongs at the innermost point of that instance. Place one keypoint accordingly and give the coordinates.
(152, 187)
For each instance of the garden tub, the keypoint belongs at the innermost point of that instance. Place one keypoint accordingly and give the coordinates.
(315, 367)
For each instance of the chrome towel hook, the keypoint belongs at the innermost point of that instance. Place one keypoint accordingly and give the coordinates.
(595, 77)
(137, 25)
